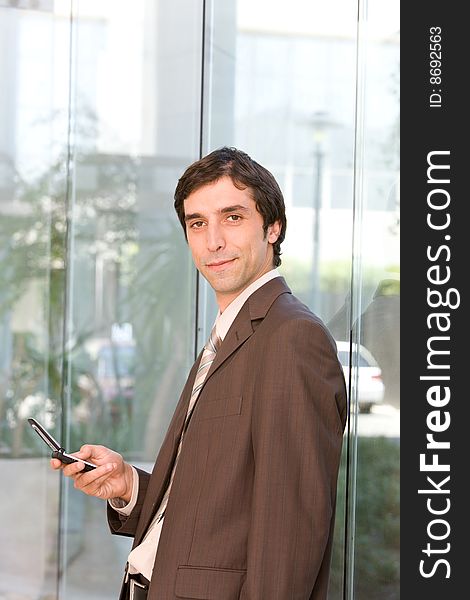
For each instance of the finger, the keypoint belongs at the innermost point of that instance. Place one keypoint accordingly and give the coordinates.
(72, 469)
(96, 476)
(91, 482)
(55, 463)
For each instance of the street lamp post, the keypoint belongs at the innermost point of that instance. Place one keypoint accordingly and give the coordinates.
(318, 155)
(320, 123)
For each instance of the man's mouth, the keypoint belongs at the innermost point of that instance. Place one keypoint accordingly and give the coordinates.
(216, 265)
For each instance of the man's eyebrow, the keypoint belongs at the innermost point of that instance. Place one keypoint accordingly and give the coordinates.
(234, 208)
(191, 216)
(224, 210)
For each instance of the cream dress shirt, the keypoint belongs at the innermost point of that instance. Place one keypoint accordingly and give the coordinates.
(142, 557)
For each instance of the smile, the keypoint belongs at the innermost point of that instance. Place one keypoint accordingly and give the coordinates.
(220, 264)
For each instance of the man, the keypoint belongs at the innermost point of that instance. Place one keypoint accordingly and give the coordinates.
(240, 504)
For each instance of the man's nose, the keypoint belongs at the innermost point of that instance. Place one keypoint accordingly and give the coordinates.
(215, 238)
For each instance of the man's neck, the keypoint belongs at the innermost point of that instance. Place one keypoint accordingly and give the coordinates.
(225, 319)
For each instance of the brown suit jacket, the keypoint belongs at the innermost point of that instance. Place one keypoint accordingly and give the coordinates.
(251, 512)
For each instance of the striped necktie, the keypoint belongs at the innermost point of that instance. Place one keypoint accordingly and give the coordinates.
(208, 356)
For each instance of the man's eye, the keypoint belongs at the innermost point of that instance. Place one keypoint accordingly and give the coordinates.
(197, 224)
(233, 218)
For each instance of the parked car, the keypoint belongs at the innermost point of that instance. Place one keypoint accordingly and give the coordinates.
(369, 383)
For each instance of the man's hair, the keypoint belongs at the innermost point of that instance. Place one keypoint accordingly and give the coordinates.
(245, 173)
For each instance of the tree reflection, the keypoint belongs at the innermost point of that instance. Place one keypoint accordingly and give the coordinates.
(80, 256)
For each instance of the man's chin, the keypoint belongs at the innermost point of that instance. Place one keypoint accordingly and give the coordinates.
(222, 282)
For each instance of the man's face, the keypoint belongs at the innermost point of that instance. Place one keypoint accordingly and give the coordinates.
(226, 238)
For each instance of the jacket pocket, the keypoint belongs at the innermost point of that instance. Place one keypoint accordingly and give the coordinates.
(222, 407)
(204, 583)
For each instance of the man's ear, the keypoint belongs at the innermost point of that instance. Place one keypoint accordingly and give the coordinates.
(274, 231)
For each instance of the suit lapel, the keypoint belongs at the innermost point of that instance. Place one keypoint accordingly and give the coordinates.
(165, 459)
(183, 404)
(238, 333)
(256, 307)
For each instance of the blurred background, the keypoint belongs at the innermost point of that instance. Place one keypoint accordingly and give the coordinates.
(103, 105)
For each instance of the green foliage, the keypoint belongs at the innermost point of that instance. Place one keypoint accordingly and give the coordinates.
(335, 275)
(44, 370)
(377, 532)
(150, 265)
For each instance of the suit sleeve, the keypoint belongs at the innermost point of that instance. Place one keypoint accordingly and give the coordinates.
(297, 428)
(121, 525)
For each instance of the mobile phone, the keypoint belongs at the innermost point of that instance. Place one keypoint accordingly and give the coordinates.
(57, 450)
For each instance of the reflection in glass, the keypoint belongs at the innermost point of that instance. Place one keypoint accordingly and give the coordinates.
(130, 315)
(278, 81)
(33, 126)
(374, 511)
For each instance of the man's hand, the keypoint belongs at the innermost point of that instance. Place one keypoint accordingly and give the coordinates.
(112, 478)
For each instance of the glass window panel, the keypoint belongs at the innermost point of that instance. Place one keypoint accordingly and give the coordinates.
(376, 307)
(131, 317)
(293, 67)
(33, 126)
(279, 82)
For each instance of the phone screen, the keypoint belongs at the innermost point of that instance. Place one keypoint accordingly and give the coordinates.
(57, 450)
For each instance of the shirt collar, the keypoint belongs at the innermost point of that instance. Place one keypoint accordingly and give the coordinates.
(224, 320)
